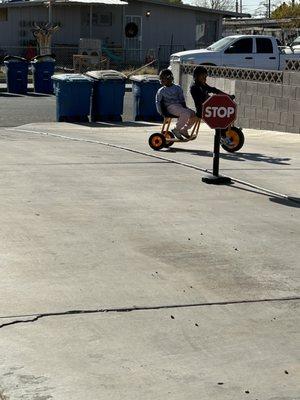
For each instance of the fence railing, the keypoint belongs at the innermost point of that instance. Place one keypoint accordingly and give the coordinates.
(244, 73)
(237, 73)
(292, 65)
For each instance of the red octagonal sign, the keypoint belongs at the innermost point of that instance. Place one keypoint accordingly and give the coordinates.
(219, 111)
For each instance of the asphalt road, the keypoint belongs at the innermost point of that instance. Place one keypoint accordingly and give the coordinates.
(18, 110)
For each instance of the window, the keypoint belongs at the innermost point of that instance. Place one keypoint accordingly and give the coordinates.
(241, 46)
(206, 32)
(220, 44)
(264, 45)
(98, 19)
(3, 14)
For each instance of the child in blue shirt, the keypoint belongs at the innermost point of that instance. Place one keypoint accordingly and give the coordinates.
(170, 98)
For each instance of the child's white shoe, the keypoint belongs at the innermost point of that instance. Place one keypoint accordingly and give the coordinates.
(177, 134)
(185, 135)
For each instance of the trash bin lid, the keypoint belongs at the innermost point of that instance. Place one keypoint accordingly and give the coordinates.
(14, 59)
(144, 78)
(45, 57)
(71, 78)
(106, 74)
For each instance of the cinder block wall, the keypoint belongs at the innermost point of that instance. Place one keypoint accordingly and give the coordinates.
(265, 106)
(270, 106)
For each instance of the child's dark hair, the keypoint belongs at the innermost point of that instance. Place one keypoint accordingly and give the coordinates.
(165, 73)
(200, 70)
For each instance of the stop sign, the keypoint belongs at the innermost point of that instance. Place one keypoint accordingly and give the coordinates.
(219, 111)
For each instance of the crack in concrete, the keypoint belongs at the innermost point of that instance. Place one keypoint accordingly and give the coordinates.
(36, 317)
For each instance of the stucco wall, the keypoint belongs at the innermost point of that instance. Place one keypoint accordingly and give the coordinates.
(157, 29)
(165, 22)
(69, 32)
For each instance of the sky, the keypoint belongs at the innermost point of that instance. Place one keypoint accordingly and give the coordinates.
(248, 6)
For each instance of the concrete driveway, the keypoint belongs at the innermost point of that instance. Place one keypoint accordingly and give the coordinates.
(123, 276)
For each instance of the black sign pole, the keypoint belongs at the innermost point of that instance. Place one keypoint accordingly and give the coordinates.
(216, 157)
(215, 179)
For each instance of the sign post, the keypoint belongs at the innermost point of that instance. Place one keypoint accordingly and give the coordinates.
(219, 111)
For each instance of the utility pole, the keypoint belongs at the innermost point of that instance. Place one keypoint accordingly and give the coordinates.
(50, 13)
(236, 6)
(269, 9)
(241, 6)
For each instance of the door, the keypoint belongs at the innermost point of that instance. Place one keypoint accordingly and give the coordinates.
(133, 38)
(239, 54)
(266, 57)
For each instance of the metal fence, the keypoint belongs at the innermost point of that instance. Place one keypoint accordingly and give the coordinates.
(244, 73)
(115, 58)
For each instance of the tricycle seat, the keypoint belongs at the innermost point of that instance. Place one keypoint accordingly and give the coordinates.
(167, 115)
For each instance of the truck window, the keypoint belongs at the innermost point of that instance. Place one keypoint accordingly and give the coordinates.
(264, 45)
(240, 46)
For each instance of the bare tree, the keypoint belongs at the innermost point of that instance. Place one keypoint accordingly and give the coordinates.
(228, 5)
(265, 8)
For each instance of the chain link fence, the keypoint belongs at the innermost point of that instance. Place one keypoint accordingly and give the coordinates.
(112, 58)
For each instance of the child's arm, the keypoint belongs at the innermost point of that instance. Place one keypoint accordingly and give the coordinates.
(212, 89)
(158, 100)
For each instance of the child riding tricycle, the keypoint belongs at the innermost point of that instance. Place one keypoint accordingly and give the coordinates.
(170, 103)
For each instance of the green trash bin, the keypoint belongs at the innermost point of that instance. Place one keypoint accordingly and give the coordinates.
(16, 69)
(73, 97)
(144, 89)
(42, 70)
(108, 95)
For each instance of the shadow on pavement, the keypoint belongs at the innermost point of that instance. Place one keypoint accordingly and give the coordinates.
(289, 202)
(7, 94)
(32, 94)
(258, 157)
(114, 124)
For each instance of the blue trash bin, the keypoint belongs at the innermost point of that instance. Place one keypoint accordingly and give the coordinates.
(108, 95)
(144, 89)
(42, 70)
(73, 97)
(16, 69)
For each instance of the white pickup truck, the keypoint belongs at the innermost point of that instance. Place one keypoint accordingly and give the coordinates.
(244, 51)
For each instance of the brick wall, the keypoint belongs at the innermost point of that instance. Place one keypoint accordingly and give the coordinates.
(261, 105)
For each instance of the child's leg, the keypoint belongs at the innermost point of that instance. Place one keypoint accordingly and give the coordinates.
(186, 117)
(192, 118)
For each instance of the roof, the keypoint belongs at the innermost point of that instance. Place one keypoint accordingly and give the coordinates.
(224, 13)
(246, 22)
(22, 3)
(108, 2)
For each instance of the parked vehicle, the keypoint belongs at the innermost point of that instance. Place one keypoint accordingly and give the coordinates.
(295, 45)
(245, 51)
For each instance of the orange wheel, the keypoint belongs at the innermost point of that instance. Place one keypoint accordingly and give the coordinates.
(236, 137)
(157, 141)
